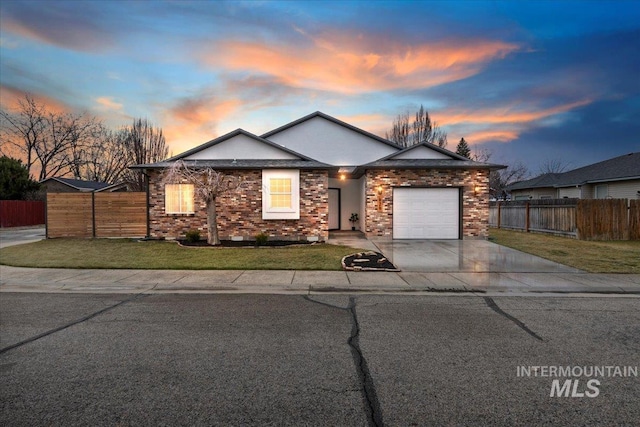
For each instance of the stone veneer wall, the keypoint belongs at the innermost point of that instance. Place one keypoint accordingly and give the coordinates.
(240, 213)
(475, 208)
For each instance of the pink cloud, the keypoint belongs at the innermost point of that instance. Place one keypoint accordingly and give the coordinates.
(491, 135)
(347, 63)
(194, 121)
(10, 98)
(506, 114)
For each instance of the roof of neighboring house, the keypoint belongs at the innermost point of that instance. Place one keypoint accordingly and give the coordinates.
(78, 184)
(617, 169)
(113, 187)
(334, 120)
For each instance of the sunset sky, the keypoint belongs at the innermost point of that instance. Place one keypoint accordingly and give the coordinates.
(530, 81)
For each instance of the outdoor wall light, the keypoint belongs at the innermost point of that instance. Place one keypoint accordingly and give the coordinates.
(342, 177)
(379, 191)
(477, 189)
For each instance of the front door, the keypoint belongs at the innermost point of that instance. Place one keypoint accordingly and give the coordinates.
(334, 209)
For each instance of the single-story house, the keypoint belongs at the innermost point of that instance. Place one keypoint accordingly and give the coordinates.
(617, 178)
(69, 185)
(308, 177)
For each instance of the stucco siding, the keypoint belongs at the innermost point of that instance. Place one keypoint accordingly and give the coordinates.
(350, 200)
(331, 143)
(421, 152)
(241, 147)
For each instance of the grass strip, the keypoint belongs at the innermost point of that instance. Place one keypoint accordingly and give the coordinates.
(133, 254)
(591, 256)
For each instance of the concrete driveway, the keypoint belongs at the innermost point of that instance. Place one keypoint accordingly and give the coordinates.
(464, 256)
(19, 235)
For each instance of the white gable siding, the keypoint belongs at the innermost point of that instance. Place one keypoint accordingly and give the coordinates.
(421, 152)
(331, 143)
(241, 147)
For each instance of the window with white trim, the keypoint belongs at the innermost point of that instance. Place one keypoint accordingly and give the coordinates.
(280, 194)
(178, 198)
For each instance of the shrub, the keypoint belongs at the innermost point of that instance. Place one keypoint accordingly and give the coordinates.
(261, 239)
(192, 236)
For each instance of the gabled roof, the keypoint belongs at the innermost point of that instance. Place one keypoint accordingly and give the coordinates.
(334, 120)
(78, 184)
(230, 135)
(430, 147)
(430, 164)
(619, 168)
(241, 164)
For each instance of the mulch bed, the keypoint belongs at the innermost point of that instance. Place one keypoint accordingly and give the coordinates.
(244, 243)
(367, 261)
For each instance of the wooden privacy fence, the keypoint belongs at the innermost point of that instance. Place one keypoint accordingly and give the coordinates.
(21, 213)
(96, 214)
(585, 219)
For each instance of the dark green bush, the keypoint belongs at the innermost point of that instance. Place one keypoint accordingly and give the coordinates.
(192, 236)
(261, 239)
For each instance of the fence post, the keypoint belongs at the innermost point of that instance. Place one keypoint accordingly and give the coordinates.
(93, 214)
(499, 212)
(526, 217)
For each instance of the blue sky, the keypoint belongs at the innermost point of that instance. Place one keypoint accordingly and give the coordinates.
(530, 81)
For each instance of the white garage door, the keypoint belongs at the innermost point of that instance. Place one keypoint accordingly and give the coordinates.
(426, 213)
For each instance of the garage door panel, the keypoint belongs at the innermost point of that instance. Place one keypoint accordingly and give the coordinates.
(426, 213)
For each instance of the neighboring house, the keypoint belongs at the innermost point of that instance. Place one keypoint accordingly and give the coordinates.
(307, 177)
(68, 185)
(113, 188)
(617, 178)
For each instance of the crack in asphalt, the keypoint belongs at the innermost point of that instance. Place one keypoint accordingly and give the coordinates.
(367, 387)
(68, 325)
(493, 306)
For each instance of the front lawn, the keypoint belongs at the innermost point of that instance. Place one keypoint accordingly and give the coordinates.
(594, 257)
(125, 253)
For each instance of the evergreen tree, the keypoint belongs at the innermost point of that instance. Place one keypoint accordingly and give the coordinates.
(463, 149)
(15, 182)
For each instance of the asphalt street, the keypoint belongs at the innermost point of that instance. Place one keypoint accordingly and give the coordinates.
(216, 359)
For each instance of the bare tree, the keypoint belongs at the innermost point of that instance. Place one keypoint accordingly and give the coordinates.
(500, 179)
(481, 155)
(105, 157)
(399, 132)
(208, 184)
(144, 144)
(49, 140)
(24, 129)
(553, 166)
(406, 132)
(61, 151)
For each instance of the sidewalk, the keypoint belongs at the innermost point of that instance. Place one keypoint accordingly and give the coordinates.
(16, 279)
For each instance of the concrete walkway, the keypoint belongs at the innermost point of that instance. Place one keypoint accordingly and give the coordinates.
(16, 279)
(443, 267)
